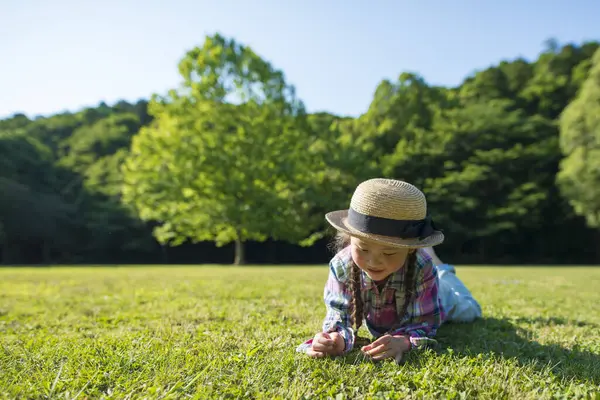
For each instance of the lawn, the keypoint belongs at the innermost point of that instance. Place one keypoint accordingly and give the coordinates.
(228, 332)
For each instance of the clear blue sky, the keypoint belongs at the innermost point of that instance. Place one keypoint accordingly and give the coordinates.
(64, 55)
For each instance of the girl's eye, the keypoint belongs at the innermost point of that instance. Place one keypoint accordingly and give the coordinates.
(363, 250)
(391, 254)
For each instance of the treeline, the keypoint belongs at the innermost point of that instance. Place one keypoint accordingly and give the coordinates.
(229, 162)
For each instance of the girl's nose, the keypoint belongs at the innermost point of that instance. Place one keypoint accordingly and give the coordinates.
(375, 260)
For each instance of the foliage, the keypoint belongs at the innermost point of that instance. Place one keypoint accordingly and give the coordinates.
(60, 186)
(226, 157)
(486, 148)
(507, 160)
(579, 177)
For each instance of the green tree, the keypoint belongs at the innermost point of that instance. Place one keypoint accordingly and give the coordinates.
(89, 143)
(225, 158)
(95, 153)
(489, 84)
(63, 162)
(579, 176)
(388, 137)
(493, 168)
(555, 79)
(32, 214)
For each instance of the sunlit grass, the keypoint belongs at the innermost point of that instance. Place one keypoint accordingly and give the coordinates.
(216, 332)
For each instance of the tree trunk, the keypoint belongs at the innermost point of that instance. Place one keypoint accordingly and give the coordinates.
(240, 256)
(165, 255)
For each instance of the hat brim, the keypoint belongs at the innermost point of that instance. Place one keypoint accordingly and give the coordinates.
(338, 219)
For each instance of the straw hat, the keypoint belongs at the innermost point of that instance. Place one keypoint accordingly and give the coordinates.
(390, 212)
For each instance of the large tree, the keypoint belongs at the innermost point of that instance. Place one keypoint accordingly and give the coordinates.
(579, 176)
(226, 157)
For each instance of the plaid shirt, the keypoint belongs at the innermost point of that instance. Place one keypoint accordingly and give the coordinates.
(423, 317)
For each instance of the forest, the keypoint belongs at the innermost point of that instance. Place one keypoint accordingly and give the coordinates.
(229, 167)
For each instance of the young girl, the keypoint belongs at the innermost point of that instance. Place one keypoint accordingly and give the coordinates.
(386, 272)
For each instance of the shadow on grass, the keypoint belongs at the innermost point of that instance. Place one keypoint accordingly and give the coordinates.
(499, 338)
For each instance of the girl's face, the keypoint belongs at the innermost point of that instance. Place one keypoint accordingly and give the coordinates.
(378, 261)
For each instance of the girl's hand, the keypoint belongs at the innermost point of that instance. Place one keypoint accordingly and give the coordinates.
(387, 347)
(326, 344)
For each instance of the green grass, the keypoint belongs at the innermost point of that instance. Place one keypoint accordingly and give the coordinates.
(225, 332)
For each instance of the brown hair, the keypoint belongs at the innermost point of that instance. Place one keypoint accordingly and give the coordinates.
(342, 241)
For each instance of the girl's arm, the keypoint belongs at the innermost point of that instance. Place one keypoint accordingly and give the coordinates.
(338, 302)
(425, 313)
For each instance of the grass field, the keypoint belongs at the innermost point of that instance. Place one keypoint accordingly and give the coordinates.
(225, 332)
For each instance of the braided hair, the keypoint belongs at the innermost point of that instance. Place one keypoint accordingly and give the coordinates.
(342, 241)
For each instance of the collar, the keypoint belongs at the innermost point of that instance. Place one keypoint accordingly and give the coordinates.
(394, 281)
